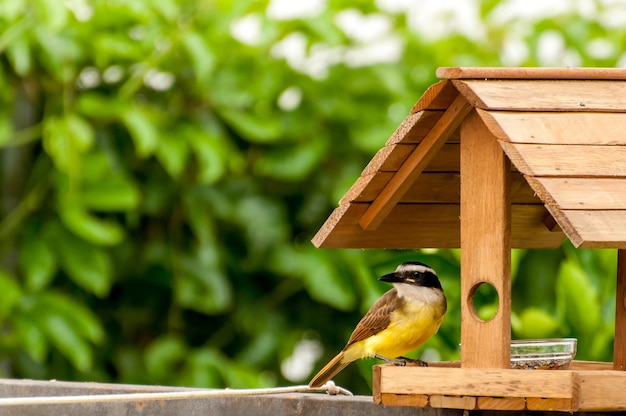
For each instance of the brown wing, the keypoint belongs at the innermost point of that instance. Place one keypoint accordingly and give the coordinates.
(377, 318)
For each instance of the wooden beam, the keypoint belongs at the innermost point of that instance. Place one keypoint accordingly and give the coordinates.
(478, 382)
(415, 164)
(485, 244)
(531, 73)
(619, 346)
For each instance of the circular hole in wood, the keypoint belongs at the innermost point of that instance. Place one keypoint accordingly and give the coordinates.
(485, 301)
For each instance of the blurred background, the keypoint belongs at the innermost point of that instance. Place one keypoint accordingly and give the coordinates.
(164, 166)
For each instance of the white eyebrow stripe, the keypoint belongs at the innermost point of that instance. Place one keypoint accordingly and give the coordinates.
(414, 268)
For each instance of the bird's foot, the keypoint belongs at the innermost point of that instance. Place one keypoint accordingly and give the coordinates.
(399, 362)
(414, 361)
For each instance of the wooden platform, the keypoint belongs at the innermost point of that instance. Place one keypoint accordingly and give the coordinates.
(586, 386)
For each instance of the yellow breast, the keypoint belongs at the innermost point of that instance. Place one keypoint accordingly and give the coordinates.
(411, 326)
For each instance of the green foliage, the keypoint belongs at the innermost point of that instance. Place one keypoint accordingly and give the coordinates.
(162, 180)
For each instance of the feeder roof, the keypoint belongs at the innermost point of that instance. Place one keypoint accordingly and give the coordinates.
(563, 129)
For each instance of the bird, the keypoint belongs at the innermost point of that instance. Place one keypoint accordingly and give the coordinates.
(401, 320)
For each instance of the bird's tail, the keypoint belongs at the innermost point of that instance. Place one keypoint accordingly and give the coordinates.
(329, 371)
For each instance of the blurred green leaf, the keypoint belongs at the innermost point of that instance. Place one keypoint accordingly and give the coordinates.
(201, 286)
(164, 356)
(83, 320)
(291, 163)
(537, 323)
(321, 280)
(101, 107)
(19, 54)
(31, 337)
(111, 193)
(173, 153)
(37, 260)
(203, 368)
(89, 227)
(10, 293)
(578, 304)
(201, 55)
(256, 129)
(209, 153)
(63, 336)
(88, 266)
(142, 130)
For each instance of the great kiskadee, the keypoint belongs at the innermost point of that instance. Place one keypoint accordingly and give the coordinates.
(401, 320)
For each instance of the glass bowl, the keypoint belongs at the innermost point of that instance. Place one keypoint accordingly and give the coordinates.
(543, 354)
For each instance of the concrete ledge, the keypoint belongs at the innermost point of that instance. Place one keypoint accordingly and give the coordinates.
(261, 405)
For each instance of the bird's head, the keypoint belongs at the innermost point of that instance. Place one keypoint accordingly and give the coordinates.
(413, 273)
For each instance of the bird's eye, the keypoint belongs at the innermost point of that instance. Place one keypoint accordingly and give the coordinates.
(416, 274)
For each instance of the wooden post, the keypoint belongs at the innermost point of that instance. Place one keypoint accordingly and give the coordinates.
(485, 244)
(619, 347)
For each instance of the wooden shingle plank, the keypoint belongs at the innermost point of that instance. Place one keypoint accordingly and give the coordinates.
(414, 127)
(581, 193)
(389, 158)
(531, 73)
(438, 96)
(527, 95)
(557, 127)
(427, 226)
(415, 164)
(567, 160)
(593, 229)
(431, 187)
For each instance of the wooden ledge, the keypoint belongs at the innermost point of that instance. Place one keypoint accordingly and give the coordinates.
(586, 386)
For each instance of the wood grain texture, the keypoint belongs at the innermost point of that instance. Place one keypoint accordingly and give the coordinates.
(438, 96)
(442, 401)
(567, 160)
(581, 193)
(477, 382)
(540, 403)
(501, 403)
(555, 73)
(593, 229)
(413, 400)
(485, 244)
(414, 127)
(389, 158)
(431, 187)
(529, 95)
(602, 390)
(414, 165)
(619, 344)
(427, 225)
(557, 127)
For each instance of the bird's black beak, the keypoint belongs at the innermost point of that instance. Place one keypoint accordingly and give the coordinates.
(392, 278)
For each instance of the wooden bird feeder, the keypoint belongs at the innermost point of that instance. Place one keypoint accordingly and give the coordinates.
(488, 160)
